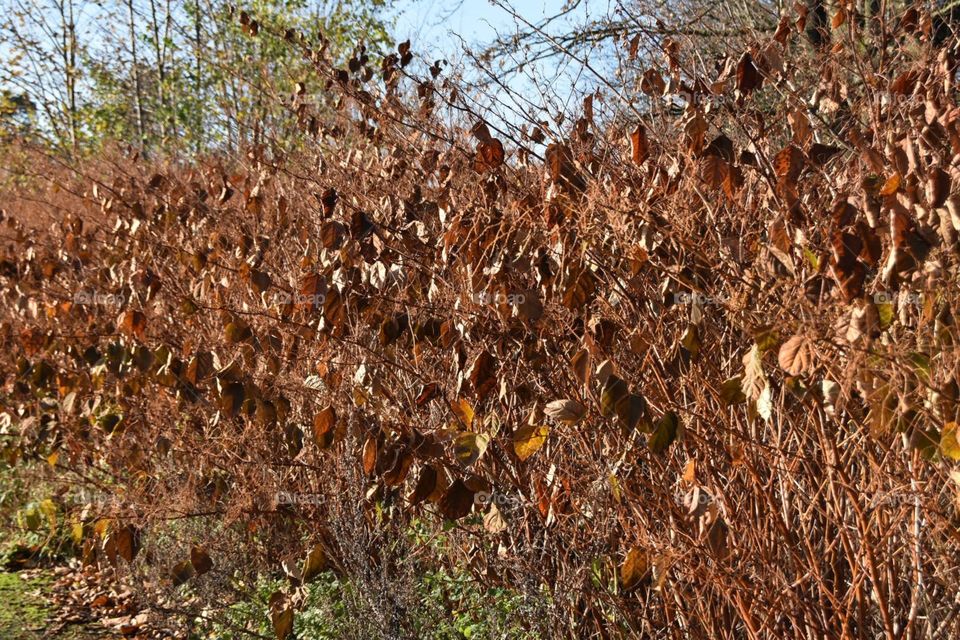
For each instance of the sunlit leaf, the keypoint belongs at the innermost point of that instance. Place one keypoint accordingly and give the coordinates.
(314, 563)
(796, 355)
(635, 569)
(469, 446)
(528, 439)
(566, 411)
(949, 445)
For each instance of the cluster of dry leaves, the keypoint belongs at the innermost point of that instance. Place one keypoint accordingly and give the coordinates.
(668, 376)
(90, 601)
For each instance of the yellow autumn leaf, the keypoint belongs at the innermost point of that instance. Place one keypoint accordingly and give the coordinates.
(464, 411)
(635, 568)
(528, 439)
(949, 445)
(469, 446)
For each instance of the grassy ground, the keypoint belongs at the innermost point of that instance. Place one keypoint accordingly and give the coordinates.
(23, 611)
(25, 614)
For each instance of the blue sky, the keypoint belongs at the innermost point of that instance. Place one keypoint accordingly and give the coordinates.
(429, 23)
(431, 26)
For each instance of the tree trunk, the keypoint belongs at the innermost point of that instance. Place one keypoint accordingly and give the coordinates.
(137, 90)
(198, 134)
(161, 70)
(69, 56)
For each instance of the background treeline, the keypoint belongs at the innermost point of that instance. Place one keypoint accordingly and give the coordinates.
(179, 75)
(176, 74)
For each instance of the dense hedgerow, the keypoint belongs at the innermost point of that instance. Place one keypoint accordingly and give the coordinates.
(682, 367)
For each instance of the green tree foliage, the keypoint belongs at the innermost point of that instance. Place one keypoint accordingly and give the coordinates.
(16, 112)
(171, 75)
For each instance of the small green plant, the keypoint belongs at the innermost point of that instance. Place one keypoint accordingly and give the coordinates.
(472, 610)
(452, 607)
(36, 525)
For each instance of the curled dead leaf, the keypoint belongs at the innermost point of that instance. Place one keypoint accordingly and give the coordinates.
(796, 355)
(566, 411)
(200, 559)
